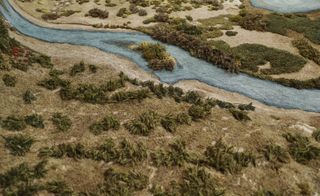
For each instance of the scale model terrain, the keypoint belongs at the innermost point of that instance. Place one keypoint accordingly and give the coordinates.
(159, 97)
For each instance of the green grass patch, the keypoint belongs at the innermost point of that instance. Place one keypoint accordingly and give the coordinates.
(107, 123)
(18, 145)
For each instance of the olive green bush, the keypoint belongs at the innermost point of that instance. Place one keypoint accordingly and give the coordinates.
(61, 122)
(18, 145)
(9, 81)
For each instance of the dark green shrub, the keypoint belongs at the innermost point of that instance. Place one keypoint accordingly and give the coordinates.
(301, 149)
(144, 124)
(53, 83)
(113, 85)
(223, 158)
(62, 122)
(192, 97)
(183, 118)
(87, 93)
(105, 124)
(13, 123)
(239, 114)
(20, 180)
(77, 68)
(58, 188)
(50, 16)
(254, 55)
(198, 112)
(18, 145)
(225, 105)
(169, 123)
(123, 12)
(97, 13)
(43, 60)
(316, 135)
(128, 153)
(29, 97)
(9, 81)
(142, 12)
(306, 50)
(231, 33)
(248, 107)
(34, 120)
(75, 151)
(122, 96)
(55, 72)
(177, 155)
(118, 183)
(93, 68)
(20, 66)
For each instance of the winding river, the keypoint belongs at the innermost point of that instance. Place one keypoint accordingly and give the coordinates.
(189, 68)
(287, 6)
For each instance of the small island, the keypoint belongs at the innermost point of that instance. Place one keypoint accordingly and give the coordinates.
(156, 56)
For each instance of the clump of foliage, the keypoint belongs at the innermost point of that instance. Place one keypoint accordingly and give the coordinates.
(43, 60)
(97, 13)
(123, 12)
(53, 83)
(55, 72)
(9, 81)
(198, 112)
(113, 85)
(169, 123)
(20, 180)
(254, 55)
(122, 96)
(144, 124)
(13, 123)
(58, 188)
(29, 97)
(231, 33)
(225, 159)
(247, 107)
(239, 114)
(77, 68)
(118, 183)
(88, 93)
(276, 155)
(93, 68)
(316, 135)
(195, 181)
(301, 149)
(18, 145)
(34, 120)
(124, 153)
(62, 122)
(306, 50)
(105, 124)
(177, 155)
(50, 16)
(192, 97)
(156, 56)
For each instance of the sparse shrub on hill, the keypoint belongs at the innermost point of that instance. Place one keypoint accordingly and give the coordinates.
(177, 155)
(61, 122)
(169, 123)
(276, 155)
(34, 120)
(105, 124)
(77, 68)
(239, 114)
(301, 149)
(13, 123)
(144, 124)
(225, 159)
(130, 95)
(29, 97)
(53, 83)
(9, 81)
(18, 145)
(43, 60)
(97, 13)
(118, 183)
(198, 112)
(316, 135)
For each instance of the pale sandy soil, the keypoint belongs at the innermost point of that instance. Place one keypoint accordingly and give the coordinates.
(310, 70)
(73, 54)
(134, 19)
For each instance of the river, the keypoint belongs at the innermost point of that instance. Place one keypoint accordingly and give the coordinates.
(189, 68)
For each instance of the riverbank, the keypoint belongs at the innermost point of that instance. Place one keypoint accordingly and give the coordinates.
(72, 54)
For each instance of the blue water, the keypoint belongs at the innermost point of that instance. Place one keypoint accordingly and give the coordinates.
(287, 6)
(189, 68)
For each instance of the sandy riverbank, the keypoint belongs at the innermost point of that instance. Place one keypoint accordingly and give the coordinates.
(71, 54)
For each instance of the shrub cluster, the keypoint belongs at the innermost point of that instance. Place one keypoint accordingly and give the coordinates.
(97, 13)
(306, 50)
(9, 81)
(177, 155)
(107, 123)
(301, 149)
(62, 122)
(29, 97)
(144, 124)
(34, 120)
(157, 56)
(225, 159)
(125, 153)
(18, 145)
(77, 68)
